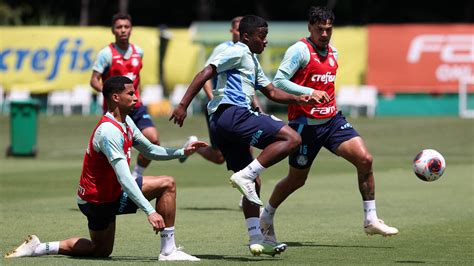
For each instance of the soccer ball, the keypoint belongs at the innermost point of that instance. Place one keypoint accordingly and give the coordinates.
(429, 165)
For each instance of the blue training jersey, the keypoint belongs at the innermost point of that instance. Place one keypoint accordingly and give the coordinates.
(239, 74)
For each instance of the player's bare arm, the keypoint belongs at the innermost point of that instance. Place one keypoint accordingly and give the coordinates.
(96, 82)
(179, 113)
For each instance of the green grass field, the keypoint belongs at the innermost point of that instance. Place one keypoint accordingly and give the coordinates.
(322, 222)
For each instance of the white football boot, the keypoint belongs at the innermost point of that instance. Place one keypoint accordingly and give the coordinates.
(26, 249)
(177, 255)
(378, 227)
(258, 246)
(246, 186)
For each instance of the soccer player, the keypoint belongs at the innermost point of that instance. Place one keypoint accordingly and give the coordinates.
(308, 67)
(234, 126)
(212, 153)
(125, 59)
(107, 188)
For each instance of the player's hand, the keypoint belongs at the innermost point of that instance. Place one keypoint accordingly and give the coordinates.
(320, 96)
(156, 222)
(306, 99)
(193, 147)
(178, 115)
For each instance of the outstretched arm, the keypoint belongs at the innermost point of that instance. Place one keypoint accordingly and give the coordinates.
(179, 113)
(159, 153)
(280, 96)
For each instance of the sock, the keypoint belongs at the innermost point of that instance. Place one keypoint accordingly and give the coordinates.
(167, 241)
(253, 169)
(370, 211)
(138, 171)
(268, 213)
(253, 228)
(47, 248)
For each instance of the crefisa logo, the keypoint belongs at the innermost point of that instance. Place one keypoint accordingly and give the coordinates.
(68, 51)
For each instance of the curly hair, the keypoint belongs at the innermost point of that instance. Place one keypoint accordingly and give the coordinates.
(320, 14)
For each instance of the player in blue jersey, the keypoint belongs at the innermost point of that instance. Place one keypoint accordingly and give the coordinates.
(235, 126)
(212, 153)
(309, 66)
(107, 188)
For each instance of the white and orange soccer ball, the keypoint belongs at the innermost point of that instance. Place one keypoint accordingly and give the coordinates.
(429, 165)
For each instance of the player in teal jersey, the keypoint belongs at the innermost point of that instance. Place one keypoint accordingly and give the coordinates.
(107, 188)
(236, 127)
(309, 66)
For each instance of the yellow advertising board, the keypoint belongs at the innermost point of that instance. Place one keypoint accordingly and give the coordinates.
(351, 43)
(40, 59)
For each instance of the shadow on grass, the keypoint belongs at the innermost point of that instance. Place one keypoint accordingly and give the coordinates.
(209, 209)
(235, 258)
(314, 244)
(409, 261)
(155, 259)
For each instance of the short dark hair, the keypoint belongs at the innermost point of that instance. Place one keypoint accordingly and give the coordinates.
(250, 23)
(115, 84)
(121, 16)
(320, 14)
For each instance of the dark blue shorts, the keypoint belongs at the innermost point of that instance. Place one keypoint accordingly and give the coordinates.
(141, 118)
(99, 216)
(328, 135)
(211, 139)
(234, 129)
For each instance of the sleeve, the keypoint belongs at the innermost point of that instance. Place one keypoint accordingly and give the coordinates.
(296, 57)
(227, 59)
(335, 53)
(139, 51)
(129, 185)
(103, 60)
(110, 142)
(150, 150)
(262, 80)
(215, 52)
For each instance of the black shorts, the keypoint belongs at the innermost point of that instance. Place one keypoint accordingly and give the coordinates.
(141, 118)
(313, 137)
(234, 129)
(99, 216)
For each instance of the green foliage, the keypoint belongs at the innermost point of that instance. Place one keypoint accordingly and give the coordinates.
(322, 222)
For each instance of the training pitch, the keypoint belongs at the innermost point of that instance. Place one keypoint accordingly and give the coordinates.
(321, 223)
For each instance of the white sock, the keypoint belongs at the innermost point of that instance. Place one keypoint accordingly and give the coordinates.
(370, 211)
(167, 240)
(138, 171)
(253, 169)
(253, 227)
(268, 213)
(47, 248)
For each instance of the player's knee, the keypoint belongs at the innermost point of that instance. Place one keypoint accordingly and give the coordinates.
(366, 161)
(296, 181)
(168, 183)
(219, 159)
(294, 141)
(101, 252)
(155, 140)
